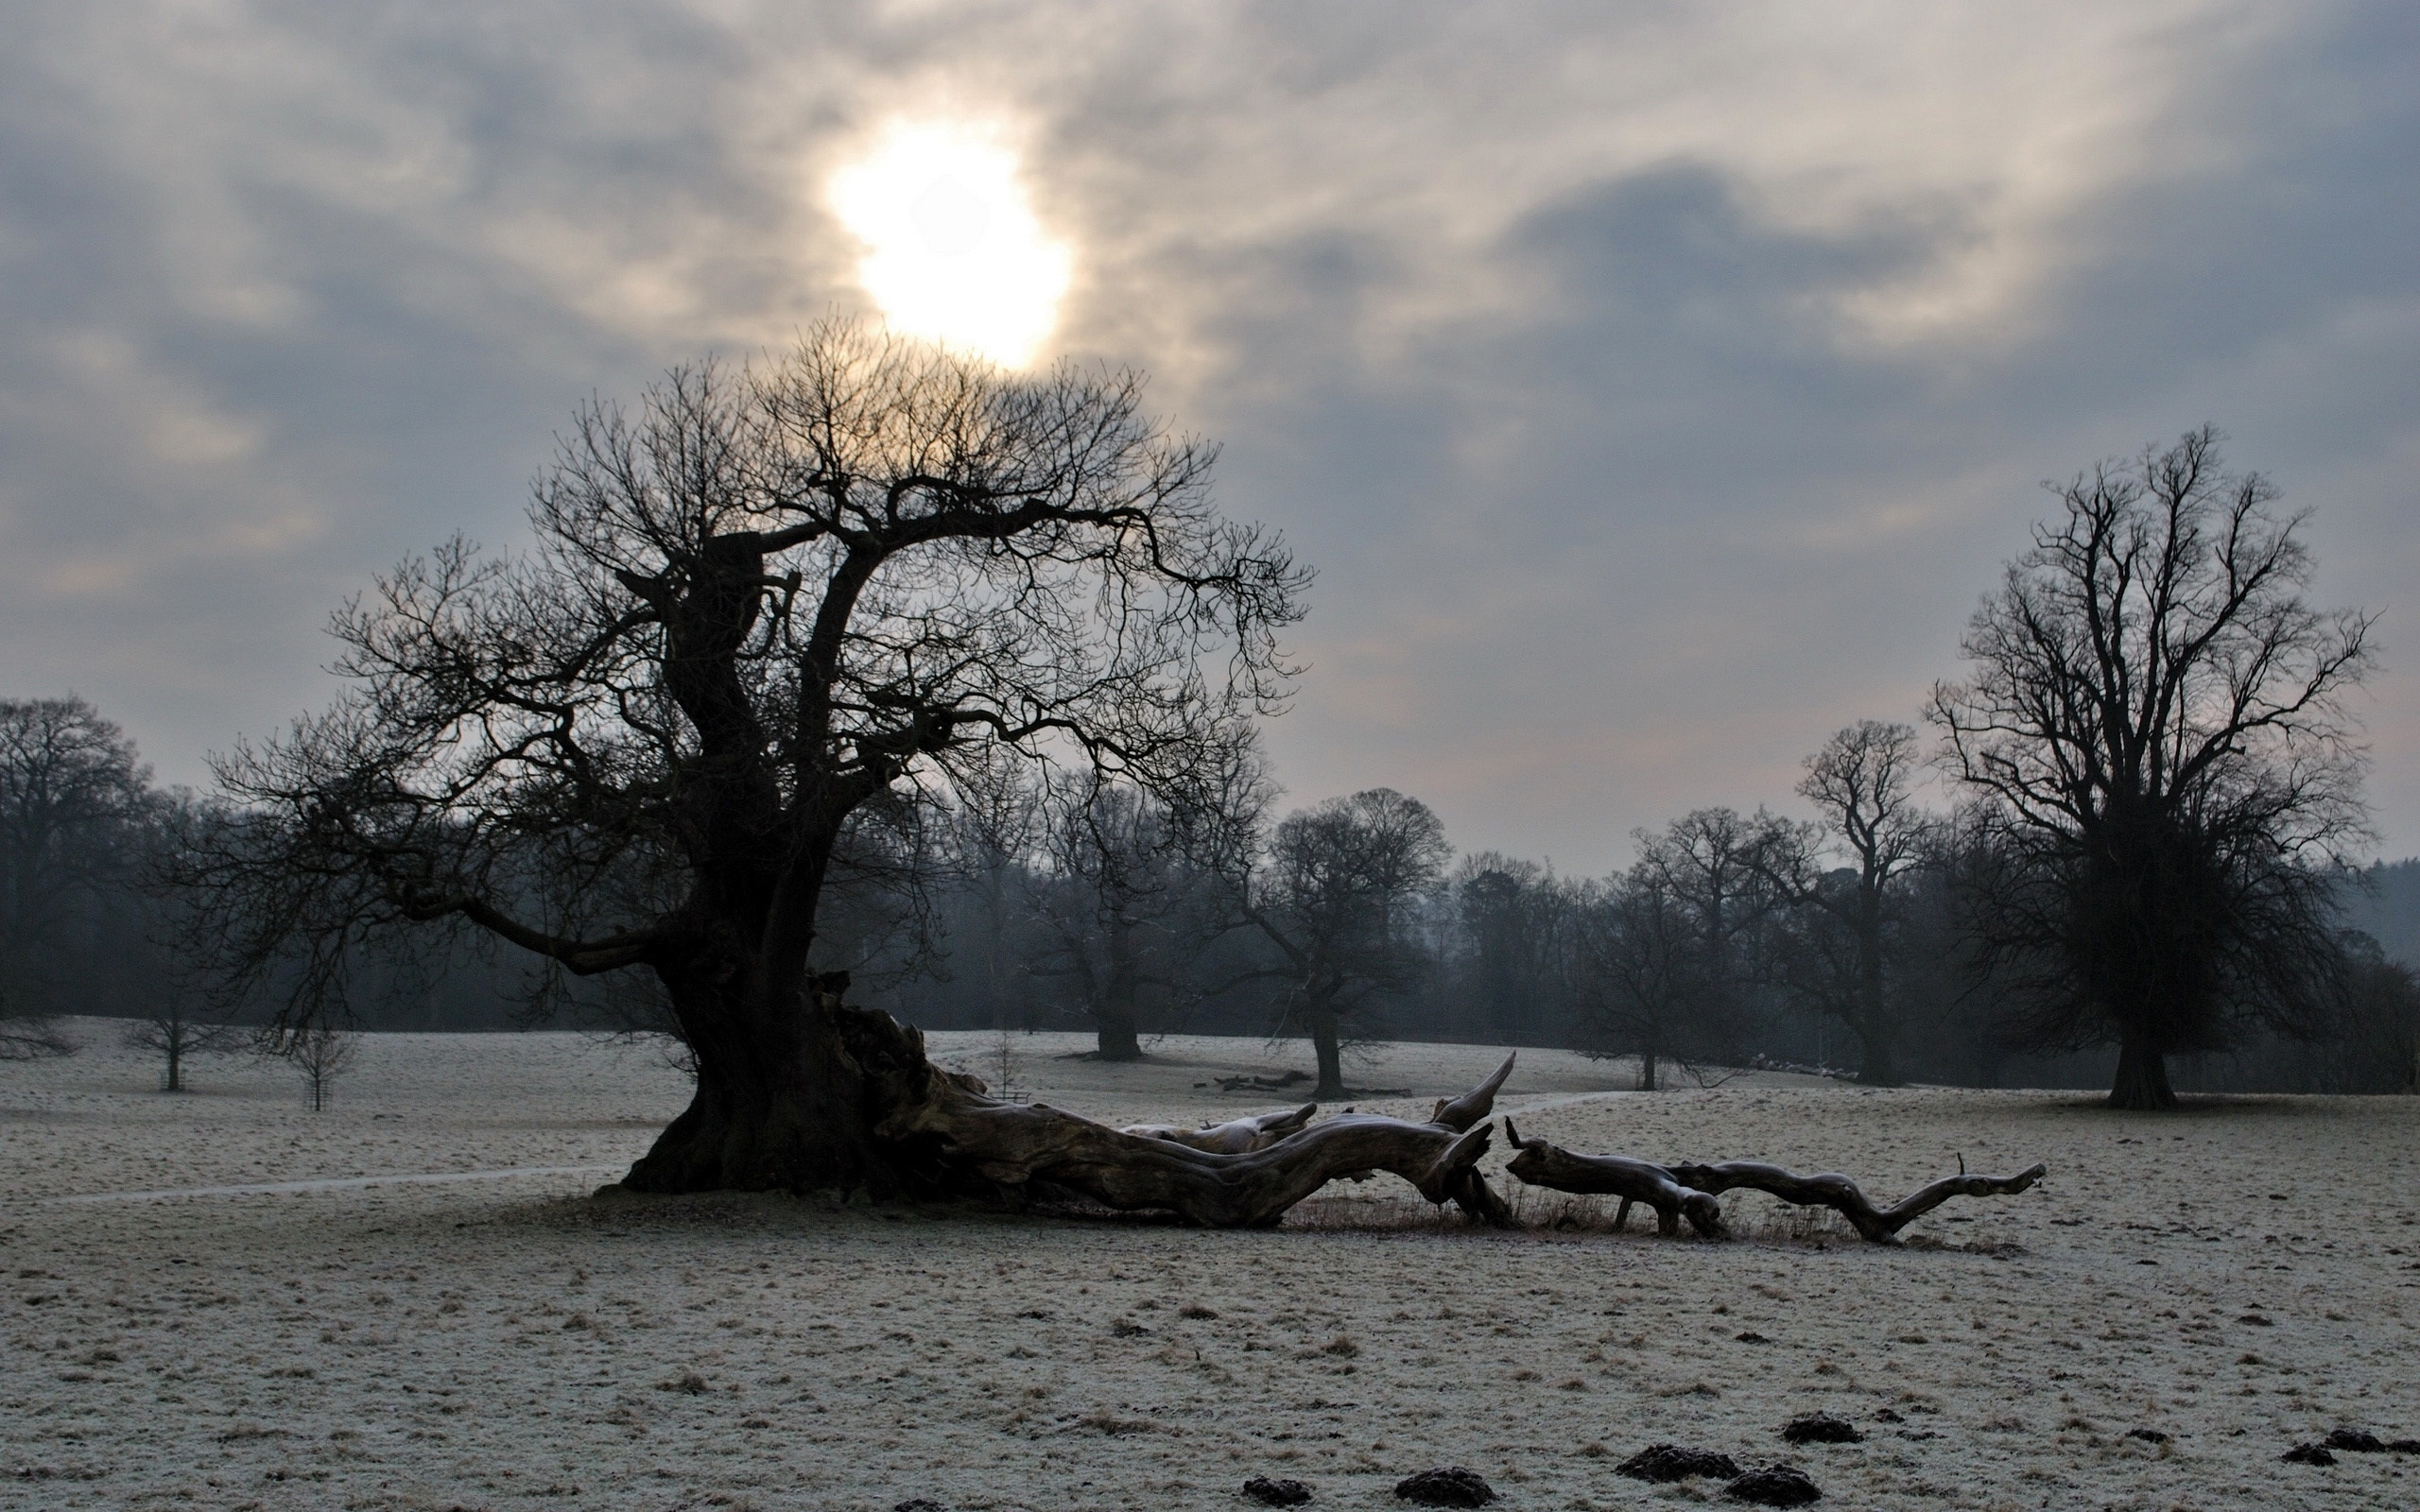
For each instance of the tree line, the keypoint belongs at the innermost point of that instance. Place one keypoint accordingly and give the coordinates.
(1835, 937)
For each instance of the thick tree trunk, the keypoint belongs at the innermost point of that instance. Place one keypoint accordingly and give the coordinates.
(1117, 1038)
(1880, 1067)
(1692, 1191)
(2141, 1085)
(1647, 1071)
(1329, 1044)
(779, 1105)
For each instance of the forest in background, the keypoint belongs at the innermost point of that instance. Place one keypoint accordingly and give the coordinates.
(1731, 942)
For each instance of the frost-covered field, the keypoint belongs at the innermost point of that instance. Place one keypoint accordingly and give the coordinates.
(2241, 1276)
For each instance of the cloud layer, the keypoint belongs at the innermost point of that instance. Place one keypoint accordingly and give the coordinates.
(1656, 389)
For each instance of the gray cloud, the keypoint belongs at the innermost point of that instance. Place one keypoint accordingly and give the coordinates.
(1656, 392)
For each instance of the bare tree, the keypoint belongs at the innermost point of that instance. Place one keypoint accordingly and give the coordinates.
(760, 608)
(2155, 725)
(1109, 909)
(1332, 901)
(1515, 925)
(319, 1051)
(1642, 965)
(70, 783)
(176, 1031)
(1859, 783)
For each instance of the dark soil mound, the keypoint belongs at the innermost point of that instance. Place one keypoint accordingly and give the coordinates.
(1446, 1485)
(1774, 1485)
(2309, 1455)
(2354, 1441)
(1822, 1428)
(1276, 1493)
(1669, 1462)
(2148, 1435)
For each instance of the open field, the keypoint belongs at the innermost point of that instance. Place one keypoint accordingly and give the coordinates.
(2242, 1276)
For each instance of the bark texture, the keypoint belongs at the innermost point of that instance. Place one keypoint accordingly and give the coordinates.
(1690, 1192)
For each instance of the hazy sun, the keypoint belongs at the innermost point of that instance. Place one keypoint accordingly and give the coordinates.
(953, 252)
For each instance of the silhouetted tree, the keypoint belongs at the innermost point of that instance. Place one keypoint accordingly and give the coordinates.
(72, 793)
(760, 609)
(1333, 901)
(1107, 909)
(320, 1053)
(1643, 966)
(2155, 727)
(1514, 922)
(1847, 916)
(176, 1030)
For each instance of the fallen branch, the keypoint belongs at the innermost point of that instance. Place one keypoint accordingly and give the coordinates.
(1692, 1191)
(944, 1122)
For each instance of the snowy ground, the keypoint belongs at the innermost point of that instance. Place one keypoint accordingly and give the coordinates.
(2241, 1276)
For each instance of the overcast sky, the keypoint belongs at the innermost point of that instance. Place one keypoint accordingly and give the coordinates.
(1655, 387)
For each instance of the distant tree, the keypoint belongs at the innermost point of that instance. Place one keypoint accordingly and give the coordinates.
(1514, 924)
(1709, 863)
(176, 1031)
(2378, 1044)
(319, 1051)
(2155, 727)
(1849, 916)
(994, 827)
(71, 786)
(1109, 909)
(1333, 901)
(1642, 965)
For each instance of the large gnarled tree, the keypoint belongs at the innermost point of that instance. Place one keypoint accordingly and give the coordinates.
(2156, 729)
(764, 613)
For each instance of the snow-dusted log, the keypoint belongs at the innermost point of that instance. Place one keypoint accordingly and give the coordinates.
(942, 1124)
(1690, 1191)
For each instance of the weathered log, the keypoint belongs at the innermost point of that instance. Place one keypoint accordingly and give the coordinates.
(943, 1124)
(1690, 1191)
(1237, 1136)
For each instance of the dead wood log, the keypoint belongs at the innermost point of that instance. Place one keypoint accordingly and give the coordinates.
(1690, 1191)
(1237, 1136)
(944, 1124)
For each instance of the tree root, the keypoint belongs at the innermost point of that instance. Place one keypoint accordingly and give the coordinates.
(1690, 1191)
(942, 1126)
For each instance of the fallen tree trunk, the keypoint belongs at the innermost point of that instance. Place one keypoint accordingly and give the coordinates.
(1690, 1191)
(942, 1126)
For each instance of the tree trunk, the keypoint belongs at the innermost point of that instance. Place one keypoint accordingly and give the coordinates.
(1647, 1071)
(2142, 1077)
(176, 1056)
(1329, 1046)
(779, 1105)
(1117, 1036)
(1879, 1068)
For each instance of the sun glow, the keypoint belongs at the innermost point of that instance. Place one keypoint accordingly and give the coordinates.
(953, 250)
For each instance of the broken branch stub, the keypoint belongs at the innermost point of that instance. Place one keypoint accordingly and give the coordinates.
(1687, 1190)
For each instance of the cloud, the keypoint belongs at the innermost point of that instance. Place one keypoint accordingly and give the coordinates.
(1655, 388)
